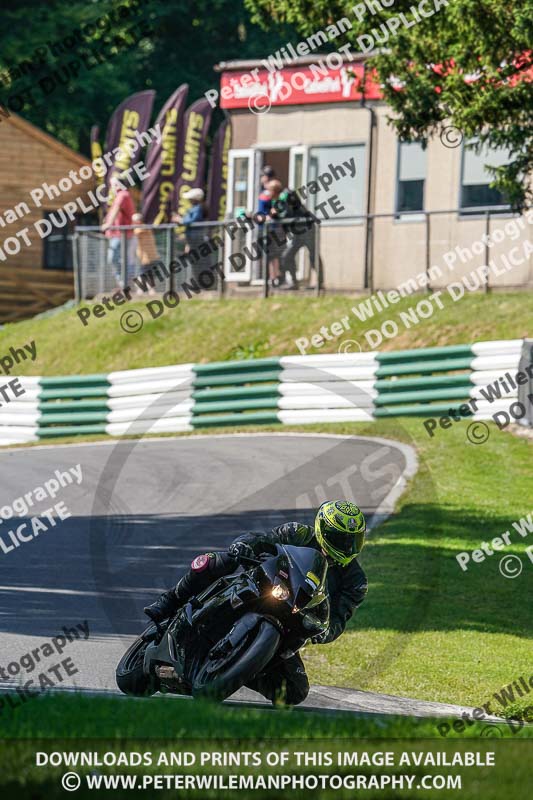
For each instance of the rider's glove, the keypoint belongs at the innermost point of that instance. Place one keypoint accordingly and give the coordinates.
(320, 639)
(240, 550)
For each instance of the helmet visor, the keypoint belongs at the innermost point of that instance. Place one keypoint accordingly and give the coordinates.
(339, 544)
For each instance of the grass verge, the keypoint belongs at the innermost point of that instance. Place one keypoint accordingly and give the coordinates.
(56, 716)
(200, 331)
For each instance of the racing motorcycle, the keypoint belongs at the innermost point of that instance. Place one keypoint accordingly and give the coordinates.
(229, 633)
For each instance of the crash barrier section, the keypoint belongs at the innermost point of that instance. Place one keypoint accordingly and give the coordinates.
(439, 380)
(292, 390)
(525, 389)
(130, 401)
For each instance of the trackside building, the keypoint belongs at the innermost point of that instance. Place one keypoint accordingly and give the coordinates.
(409, 215)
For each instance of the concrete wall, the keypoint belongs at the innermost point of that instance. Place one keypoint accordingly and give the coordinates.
(400, 245)
(320, 124)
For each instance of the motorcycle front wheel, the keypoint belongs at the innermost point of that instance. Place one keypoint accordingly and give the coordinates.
(130, 675)
(217, 679)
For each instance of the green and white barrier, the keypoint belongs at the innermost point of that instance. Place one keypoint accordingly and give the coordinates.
(344, 387)
(444, 378)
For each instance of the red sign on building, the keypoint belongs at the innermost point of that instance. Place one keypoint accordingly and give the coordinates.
(261, 88)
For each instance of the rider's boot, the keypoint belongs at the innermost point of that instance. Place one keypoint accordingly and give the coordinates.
(170, 602)
(164, 607)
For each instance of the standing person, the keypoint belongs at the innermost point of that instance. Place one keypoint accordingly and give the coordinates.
(267, 174)
(119, 213)
(264, 204)
(195, 234)
(193, 215)
(146, 248)
(264, 201)
(275, 234)
(293, 208)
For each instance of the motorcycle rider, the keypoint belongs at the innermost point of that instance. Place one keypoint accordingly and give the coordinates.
(339, 533)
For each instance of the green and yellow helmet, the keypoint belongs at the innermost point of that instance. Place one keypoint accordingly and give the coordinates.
(340, 530)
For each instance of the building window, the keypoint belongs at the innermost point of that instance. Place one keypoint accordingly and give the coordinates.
(339, 161)
(411, 177)
(240, 184)
(475, 177)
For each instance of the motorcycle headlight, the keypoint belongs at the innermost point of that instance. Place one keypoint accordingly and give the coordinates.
(280, 592)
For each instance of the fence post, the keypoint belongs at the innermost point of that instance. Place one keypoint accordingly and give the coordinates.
(220, 260)
(170, 255)
(123, 259)
(487, 229)
(369, 249)
(428, 249)
(525, 391)
(264, 260)
(78, 289)
(103, 259)
(318, 261)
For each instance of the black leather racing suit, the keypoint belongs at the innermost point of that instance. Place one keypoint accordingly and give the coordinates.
(285, 679)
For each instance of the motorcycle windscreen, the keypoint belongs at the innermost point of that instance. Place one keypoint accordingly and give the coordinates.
(308, 576)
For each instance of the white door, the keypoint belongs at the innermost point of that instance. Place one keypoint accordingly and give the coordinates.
(298, 159)
(241, 199)
(297, 166)
(259, 263)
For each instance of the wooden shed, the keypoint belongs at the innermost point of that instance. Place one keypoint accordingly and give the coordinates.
(36, 257)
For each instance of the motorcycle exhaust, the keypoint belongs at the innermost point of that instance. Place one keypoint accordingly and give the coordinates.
(166, 673)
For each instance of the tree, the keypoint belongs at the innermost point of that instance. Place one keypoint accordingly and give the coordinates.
(184, 41)
(467, 65)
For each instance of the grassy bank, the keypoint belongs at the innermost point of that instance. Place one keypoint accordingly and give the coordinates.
(210, 331)
(428, 629)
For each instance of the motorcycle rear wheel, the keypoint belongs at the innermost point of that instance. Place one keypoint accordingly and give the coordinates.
(220, 684)
(129, 674)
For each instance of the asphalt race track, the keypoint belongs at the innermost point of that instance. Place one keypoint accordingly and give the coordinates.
(144, 509)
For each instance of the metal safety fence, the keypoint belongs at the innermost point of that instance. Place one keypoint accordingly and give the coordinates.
(139, 257)
(148, 258)
(381, 250)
